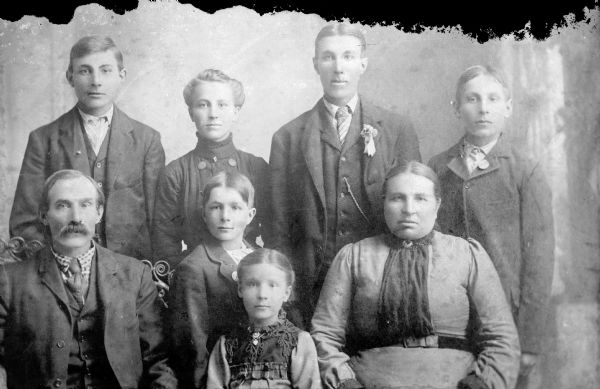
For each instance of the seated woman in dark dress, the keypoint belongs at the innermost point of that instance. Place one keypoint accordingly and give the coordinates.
(414, 307)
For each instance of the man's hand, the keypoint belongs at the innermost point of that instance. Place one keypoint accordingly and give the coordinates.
(528, 361)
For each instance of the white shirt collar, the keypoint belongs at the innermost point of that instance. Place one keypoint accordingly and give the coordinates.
(486, 148)
(332, 108)
(108, 114)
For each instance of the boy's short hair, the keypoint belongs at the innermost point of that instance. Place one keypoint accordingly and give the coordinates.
(234, 180)
(480, 70)
(337, 29)
(94, 44)
(214, 75)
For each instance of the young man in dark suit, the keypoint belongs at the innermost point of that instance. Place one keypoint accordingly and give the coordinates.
(497, 195)
(95, 137)
(76, 314)
(328, 165)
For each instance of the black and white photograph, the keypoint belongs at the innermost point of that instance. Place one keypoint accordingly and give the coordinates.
(250, 196)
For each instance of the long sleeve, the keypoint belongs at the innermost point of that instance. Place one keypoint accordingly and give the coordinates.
(152, 340)
(189, 323)
(24, 220)
(537, 248)
(4, 309)
(330, 321)
(281, 202)
(218, 375)
(260, 178)
(167, 223)
(305, 367)
(154, 163)
(498, 361)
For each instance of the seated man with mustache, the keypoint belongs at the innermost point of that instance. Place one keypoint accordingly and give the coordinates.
(77, 314)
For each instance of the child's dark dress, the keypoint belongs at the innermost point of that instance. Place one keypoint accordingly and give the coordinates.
(277, 356)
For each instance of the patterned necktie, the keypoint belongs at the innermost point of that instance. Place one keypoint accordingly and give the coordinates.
(76, 283)
(340, 117)
(473, 155)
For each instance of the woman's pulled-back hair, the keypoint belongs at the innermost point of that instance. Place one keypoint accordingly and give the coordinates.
(214, 75)
(416, 168)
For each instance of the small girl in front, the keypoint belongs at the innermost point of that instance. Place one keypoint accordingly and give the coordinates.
(269, 351)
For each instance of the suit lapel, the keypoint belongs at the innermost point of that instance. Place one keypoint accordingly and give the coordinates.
(119, 145)
(500, 150)
(311, 149)
(50, 275)
(106, 277)
(353, 136)
(457, 166)
(375, 165)
(72, 142)
(455, 163)
(218, 255)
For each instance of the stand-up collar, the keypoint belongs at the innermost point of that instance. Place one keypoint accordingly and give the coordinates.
(209, 149)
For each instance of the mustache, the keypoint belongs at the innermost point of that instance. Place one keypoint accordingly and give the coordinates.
(74, 228)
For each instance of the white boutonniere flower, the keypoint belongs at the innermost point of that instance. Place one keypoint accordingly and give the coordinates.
(369, 133)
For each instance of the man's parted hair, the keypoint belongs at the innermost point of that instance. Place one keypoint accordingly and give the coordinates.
(234, 180)
(67, 174)
(340, 29)
(214, 75)
(480, 70)
(94, 44)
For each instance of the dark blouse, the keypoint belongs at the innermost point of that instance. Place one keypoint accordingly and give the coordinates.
(178, 207)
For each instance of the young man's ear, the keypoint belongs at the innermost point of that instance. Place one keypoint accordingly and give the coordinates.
(203, 212)
(69, 75)
(315, 61)
(364, 62)
(455, 108)
(509, 107)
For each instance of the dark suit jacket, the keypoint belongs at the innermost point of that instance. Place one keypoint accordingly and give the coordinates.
(36, 323)
(297, 188)
(135, 158)
(507, 207)
(203, 305)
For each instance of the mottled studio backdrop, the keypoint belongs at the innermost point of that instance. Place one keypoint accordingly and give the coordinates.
(555, 84)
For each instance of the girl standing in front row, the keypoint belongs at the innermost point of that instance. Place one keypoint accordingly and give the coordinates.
(269, 351)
